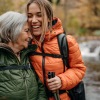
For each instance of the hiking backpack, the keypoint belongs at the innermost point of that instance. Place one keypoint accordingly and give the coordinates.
(78, 92)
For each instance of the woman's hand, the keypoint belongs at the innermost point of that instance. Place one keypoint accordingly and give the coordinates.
(54, 83)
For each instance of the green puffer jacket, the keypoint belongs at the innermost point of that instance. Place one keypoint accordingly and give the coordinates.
(17, 80)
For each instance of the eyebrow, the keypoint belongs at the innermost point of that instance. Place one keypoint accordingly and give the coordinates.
(36, 12)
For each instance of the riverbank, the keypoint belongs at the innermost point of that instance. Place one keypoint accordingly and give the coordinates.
(87, 38)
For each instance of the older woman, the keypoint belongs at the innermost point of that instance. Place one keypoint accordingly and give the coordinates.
(17, 80)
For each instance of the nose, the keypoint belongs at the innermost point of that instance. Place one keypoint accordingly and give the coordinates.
(34, 19)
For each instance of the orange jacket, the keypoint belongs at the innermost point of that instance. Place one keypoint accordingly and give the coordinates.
(72, 76)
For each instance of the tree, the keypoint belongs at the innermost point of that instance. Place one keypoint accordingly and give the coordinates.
(95, 7)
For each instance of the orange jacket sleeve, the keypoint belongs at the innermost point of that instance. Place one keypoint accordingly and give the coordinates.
(72, 76)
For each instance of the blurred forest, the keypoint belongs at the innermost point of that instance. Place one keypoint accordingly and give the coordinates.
(14, 5)
(79, 17)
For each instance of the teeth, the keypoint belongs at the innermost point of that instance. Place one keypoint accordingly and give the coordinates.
(35, 26)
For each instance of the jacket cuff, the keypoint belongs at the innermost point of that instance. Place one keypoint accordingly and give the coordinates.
(63, 82)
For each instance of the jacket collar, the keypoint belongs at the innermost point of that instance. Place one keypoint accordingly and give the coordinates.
(56, 29)
(6, 47)
(31, 48)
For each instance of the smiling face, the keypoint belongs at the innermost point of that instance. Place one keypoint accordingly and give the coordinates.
(35, 19)
(40, 16)
(24, 37)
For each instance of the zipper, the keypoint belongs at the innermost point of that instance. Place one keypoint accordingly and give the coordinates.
(24, 77)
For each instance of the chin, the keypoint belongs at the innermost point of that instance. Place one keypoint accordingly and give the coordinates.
(38, 33)
(25, 46)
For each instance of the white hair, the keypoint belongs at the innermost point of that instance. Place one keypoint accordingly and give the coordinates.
(11, 24)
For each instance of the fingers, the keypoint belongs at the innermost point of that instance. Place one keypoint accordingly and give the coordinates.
(54, 86)
(54, 83)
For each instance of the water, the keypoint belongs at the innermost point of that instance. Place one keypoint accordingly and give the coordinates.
(90, 50)
(92, 62)
(92, 85)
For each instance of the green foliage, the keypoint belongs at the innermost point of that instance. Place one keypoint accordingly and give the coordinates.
(97, 32)
(74, 27)
(82, 31)
(5, 5)
(72, 24)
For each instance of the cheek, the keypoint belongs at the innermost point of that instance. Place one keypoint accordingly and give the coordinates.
(23, 44)
(29, 20)
(21, 40)
(40, 20)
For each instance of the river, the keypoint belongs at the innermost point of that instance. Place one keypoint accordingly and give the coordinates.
(92, 76)
(92, 84)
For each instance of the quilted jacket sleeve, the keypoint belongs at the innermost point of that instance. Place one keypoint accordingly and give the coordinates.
(42, 94)
(72, 76)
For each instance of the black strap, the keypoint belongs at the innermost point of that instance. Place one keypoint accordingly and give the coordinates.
(49, 93)
(43, 67)
(46, 54)
(63, 46)
(43, 63)
(14, 67)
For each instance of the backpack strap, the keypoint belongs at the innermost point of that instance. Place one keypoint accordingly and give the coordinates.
(63, 46)
(15, 67)
(46, 54)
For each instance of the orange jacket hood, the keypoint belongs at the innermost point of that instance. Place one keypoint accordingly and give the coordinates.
(56, 29)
